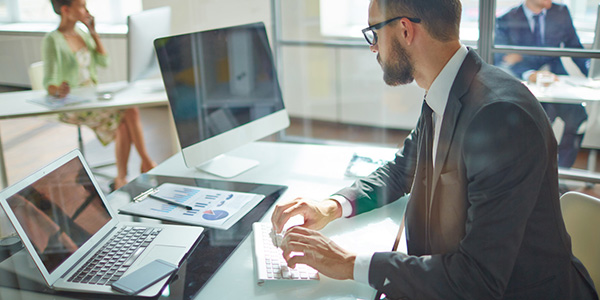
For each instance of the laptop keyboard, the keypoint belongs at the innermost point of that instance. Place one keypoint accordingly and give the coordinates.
(111, 261)
(270, 263)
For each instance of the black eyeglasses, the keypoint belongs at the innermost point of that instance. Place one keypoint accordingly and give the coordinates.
(371, 35)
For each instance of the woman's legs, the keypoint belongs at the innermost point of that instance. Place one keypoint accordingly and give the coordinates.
(128, 132)
(134, 126)
(122, 149)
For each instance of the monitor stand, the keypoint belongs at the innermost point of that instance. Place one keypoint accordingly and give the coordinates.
(227, 166)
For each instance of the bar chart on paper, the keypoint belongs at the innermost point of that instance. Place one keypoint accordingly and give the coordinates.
(210, 207)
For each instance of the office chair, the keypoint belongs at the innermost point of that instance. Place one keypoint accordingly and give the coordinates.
(36, 78)
(581, 213)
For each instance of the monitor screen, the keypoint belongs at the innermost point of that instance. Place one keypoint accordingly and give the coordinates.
(60, 212)
(143, 28)
(222, 88)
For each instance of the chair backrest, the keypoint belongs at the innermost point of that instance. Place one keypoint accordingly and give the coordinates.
(36, 75)
(581, 213)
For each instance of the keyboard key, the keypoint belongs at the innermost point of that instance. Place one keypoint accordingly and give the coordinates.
(115, 256)
(269, 260)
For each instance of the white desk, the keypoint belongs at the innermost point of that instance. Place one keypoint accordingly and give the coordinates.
(308, 170)
(565, 91)
(311, 171)
(15, 105)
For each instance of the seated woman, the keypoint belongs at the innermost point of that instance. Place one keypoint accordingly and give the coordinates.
(70, 58)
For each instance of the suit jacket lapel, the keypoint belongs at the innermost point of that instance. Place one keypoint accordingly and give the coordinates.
(467, 71)
(525, 34)
(446, 134)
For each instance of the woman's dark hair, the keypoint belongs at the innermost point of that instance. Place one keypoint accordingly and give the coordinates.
(57, 4)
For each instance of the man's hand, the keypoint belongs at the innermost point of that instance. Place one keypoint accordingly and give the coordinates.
(316, 214)
(512, 58)
(306, 246)
(533, 77)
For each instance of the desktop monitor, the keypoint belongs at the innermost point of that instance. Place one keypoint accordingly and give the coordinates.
(223, 92)
(143, 28)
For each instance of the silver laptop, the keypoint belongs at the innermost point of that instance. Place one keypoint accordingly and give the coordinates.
(67, 226)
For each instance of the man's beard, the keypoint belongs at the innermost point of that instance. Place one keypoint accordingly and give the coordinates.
(398, 69)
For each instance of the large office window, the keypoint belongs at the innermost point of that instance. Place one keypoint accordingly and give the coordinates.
(4, 11)
(34, 11)
(346, 18)
(343, 18)
(583, 13)
(328, 73)
(572, 30)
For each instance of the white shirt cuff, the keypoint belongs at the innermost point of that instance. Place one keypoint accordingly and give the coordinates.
(346, 205)
(526, 74)
(361, 268)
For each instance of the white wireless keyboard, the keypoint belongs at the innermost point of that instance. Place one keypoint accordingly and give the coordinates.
(269, 261)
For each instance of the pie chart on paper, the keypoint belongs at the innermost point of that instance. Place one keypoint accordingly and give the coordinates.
(214, 215)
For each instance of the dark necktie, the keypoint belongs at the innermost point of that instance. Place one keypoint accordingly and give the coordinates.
(537, 30)
(427, 115)
(429, 131)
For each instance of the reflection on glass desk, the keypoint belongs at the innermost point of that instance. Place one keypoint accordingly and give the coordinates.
(210, 252)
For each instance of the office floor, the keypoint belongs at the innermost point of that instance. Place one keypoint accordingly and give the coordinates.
(30, 143)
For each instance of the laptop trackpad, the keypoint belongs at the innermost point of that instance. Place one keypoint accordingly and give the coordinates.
(172, 254)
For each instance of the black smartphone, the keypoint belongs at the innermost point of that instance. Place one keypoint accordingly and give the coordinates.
(144, 277)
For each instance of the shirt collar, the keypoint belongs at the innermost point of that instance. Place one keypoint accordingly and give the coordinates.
(529, 14)
(438, 93)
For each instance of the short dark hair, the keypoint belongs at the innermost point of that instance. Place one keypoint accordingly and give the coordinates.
(441, 18)
(57, 4)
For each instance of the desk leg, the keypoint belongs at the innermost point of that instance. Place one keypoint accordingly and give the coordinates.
(591, 165)
(592, 157)
(3, 177)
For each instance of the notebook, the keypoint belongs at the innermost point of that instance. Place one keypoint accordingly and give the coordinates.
(63, 219)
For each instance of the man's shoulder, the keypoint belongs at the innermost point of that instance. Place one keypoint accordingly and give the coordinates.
(492, 84)
(558, 7)
(513, 13)
(558, 10)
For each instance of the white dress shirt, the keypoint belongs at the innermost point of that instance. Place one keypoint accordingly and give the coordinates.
(529, 15)
(436, 97)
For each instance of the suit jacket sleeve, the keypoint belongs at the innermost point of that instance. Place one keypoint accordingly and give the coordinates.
(388, 183)
(501, 37)
(505, 157)
(573, 41)
(508, 32)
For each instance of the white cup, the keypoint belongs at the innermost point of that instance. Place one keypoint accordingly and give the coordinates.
(544, 80)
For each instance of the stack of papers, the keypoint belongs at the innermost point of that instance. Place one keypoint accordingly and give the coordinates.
(55, 102)
(210, 208)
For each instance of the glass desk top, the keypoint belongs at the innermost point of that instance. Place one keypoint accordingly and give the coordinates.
(211, 250)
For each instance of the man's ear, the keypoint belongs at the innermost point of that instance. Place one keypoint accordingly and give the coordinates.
(407, 30)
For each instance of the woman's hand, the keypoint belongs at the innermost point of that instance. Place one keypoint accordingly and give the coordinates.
(90, 22)
(60, 91)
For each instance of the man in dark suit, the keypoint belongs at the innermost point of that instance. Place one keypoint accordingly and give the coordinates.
(483, 219)
(541, 23)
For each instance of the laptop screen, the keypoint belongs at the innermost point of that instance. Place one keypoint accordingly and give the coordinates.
(60, 212)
